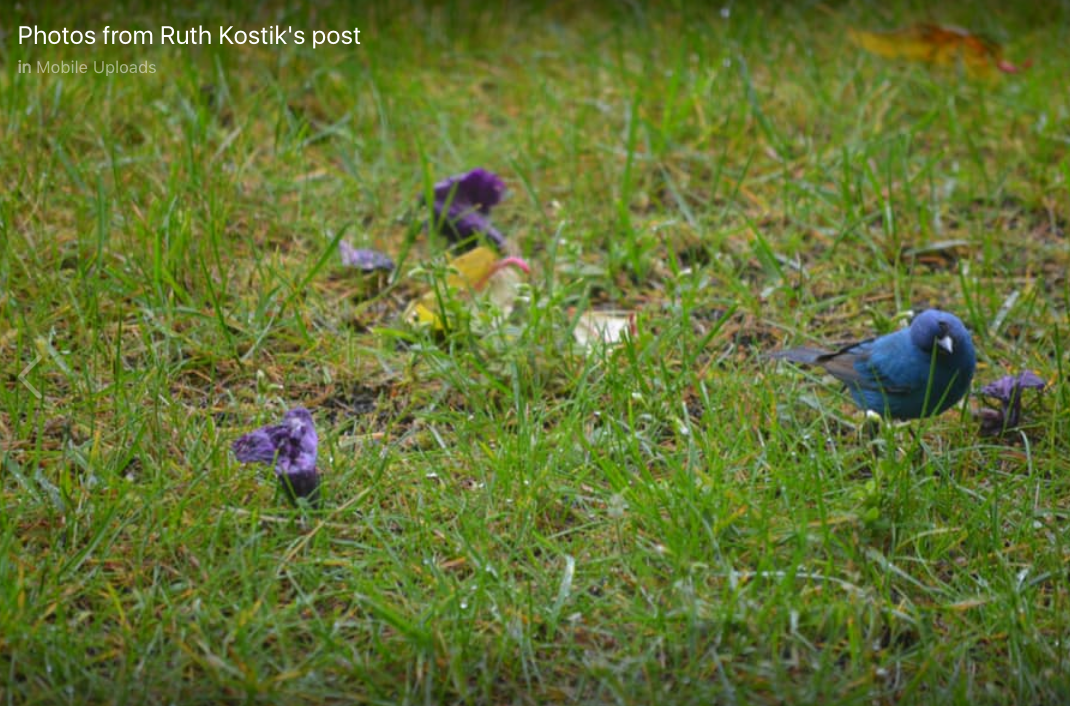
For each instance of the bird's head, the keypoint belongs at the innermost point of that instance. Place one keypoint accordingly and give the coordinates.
(939, 329)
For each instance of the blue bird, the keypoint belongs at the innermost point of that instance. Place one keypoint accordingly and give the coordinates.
(918, 371)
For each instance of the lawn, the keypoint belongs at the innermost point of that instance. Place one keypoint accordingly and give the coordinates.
(510, 516)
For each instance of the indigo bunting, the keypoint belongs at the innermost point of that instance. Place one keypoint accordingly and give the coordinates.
(291, 447)
(916, 372)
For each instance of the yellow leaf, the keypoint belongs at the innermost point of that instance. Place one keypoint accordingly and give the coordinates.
(478, 270)
(937, 44)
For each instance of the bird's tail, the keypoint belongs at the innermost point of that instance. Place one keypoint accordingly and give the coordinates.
(806, 356)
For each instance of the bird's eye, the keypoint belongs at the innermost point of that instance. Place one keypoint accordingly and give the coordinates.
(944, 329)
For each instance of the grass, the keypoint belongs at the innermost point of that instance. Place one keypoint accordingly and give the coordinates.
(509, 518)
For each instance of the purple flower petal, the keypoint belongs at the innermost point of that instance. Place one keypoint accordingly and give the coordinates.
(1027, 379)
(477, 189)
(463, 203)
(1000, 389)
(258, 446)
(291, 445)
(1004, 388)
(364, 259)
(992, 421)
(1008, 390)
(469, 225)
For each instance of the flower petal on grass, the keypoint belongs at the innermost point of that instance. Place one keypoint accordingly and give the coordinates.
(478, 271)
(596, 328)
(462, 206)
(364, 259)
(291, 446)
(1004, 388)
(941, 45)
(1008, 390)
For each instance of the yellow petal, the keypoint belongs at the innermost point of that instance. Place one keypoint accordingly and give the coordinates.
(934, 44)
(469, 273)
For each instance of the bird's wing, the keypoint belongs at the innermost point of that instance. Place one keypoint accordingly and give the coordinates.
(851, 365)
(803, 355)
(848, 364)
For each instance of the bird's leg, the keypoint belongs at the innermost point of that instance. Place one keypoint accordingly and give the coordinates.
(871, 426)
(917, 447)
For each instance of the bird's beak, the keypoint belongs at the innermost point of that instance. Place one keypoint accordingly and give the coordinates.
(945, 343)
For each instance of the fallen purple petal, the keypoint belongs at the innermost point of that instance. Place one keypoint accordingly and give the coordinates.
(992, 421)
(479, 189)
(1000, 389)
(291, 446)
(1008, 390)
(1027, 379)
(1005, 387)
(364, 259)
(462, 207)
(468, 227)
